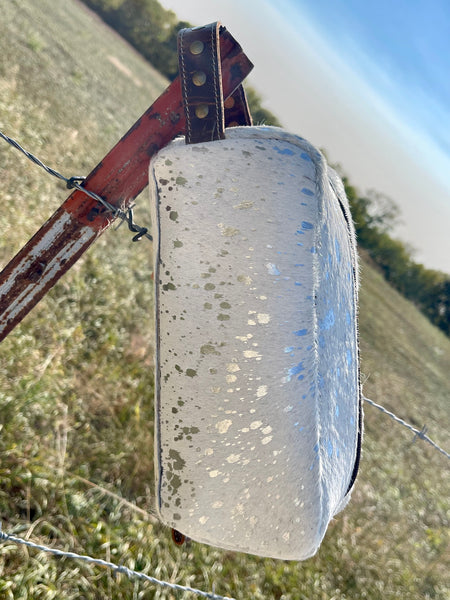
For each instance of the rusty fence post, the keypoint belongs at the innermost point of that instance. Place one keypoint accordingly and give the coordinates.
(118, 179)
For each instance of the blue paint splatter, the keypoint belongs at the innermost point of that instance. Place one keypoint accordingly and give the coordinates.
(289, 349)
(349, 358)
(295, 371)
(307, 225)
(337, 410)
(285, 151)
(301, 332)
(338, 250)
(328, 321)
(305, 156)
(307, 192)
(329, 448)
(313, 250)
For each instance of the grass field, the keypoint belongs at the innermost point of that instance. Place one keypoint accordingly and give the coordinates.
(76, 379)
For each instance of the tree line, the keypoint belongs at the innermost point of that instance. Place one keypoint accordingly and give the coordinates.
(153, 30)
(375, 216)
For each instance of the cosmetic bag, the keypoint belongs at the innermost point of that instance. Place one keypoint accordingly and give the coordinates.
(257, 391)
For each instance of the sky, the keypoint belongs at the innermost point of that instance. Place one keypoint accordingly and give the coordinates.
(368, 81)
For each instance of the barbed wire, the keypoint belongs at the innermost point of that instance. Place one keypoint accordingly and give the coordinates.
(127, 216)
(420, 433)
(130, 573)
(74, 182)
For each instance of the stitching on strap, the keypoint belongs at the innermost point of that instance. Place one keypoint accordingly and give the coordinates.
(185, 92)
(215, 67)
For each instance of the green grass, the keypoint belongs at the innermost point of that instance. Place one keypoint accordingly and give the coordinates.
(76, 380)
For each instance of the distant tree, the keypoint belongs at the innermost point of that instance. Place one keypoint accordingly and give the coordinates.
(436, 303)
(383, 213)
(145, 24)
(392, 257)
(375, 215)
(443, 305)
(169, 51)
(260, 115)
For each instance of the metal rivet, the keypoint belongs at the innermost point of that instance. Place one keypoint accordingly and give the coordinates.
(196, 47)
(229, 102)
(199, 78)
(201, 111)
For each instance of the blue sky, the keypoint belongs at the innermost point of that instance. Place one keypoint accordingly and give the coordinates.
(368, 81)
(400, 49)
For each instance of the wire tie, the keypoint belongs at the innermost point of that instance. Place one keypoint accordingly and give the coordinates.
(140, 235)
(75, 182)
(139, 231)
(70, 184)
(421, 434)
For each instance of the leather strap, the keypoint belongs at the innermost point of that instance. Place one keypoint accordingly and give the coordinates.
(199, 60)
(201, 85)
(237, 111)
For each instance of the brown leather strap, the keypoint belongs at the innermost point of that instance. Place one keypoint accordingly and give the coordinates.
(201, 85)
(237, 111)
(200, 72)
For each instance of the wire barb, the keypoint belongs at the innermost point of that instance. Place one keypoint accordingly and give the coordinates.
(418, 433)
(72, 180)
(76, 182)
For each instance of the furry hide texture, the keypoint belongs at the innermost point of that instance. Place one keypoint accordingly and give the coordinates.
(258, 411)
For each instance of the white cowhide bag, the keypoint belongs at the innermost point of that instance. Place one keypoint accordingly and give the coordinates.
(258, 411)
